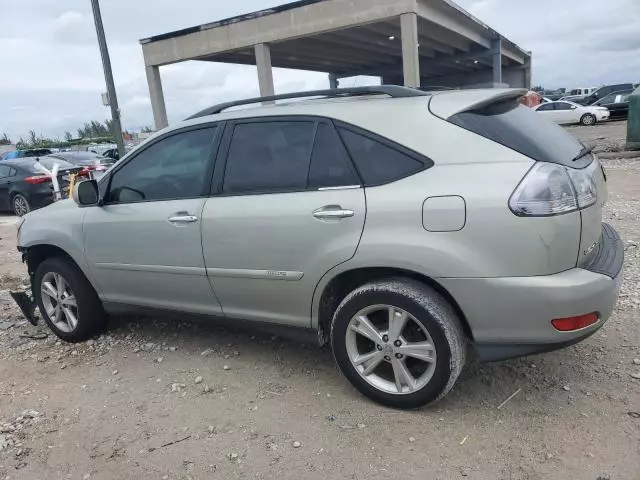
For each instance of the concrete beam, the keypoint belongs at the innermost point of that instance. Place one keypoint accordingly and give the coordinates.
(265, 71)
(410, 54)
(305, 21)
(442, 36)
(455, 23)
(157, 97)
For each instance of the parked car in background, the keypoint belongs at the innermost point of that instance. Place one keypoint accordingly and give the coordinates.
(28, 153)
(563, 112)
(112, 154)
(483, 229)
(89, 160)
(617, 103)
(583, 91)
(603, 92)
(23, 187)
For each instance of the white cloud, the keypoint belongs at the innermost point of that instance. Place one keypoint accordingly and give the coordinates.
(52, 74)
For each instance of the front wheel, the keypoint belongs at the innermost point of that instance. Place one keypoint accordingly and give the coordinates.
(399, 342)
(588, 119)
(67, 301)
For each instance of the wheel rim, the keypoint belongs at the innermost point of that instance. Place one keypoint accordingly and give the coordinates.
(59, 302)
(390, 349)
(588, 120)
(20, 205)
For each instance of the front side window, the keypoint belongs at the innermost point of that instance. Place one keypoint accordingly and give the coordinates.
(269, 157)
(172, 168)
(5, 171)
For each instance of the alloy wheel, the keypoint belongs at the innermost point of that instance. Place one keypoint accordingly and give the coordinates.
(59, 302)
(20, 205)
(390, 349)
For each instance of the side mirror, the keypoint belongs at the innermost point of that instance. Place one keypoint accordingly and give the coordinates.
(86, 193)
(573, 107)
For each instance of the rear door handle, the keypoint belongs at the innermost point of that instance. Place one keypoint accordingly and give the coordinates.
(330, 212)
(181, 218)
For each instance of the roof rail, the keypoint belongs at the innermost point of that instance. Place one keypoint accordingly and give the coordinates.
(393, 91)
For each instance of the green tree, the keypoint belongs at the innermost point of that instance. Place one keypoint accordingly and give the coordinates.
(33, 138)
(67, 136)
(4, 140)
(146, 130)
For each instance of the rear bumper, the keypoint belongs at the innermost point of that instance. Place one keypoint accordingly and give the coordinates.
(511, 317)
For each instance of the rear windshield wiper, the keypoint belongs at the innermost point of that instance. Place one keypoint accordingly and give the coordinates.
(585, 151)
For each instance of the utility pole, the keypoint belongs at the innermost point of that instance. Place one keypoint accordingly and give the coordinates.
(108, 76)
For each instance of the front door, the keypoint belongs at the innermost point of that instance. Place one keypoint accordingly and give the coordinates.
(287, 207)
(144, 244)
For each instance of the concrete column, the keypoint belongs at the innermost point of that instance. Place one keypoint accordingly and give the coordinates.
(333, 80)
(496, 47)
(527, 74)
(410, 54)
(265, 72)
(157, 97)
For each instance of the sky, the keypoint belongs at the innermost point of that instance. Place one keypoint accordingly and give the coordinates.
(51, 74)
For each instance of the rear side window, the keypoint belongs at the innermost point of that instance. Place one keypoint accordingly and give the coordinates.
(521, 129)
(269, 157)
(378, 162)
(330, 165)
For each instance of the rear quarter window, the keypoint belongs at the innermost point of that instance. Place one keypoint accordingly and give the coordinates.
(521, 129)
(378, 161)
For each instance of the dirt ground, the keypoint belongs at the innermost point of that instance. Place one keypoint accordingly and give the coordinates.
(160, 399)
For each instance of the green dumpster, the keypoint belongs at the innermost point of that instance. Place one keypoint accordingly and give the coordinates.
(633, 123)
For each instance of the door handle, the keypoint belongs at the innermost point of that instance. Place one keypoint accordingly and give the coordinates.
(335, 212)
(182, 217)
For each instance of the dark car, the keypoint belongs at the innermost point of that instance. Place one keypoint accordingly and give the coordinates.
(617, 103)
(30, 153)
(602, 92)
(23, 187)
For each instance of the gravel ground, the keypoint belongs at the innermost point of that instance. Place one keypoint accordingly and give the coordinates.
(167, 399)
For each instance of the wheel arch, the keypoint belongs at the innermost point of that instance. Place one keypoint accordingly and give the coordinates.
(340, 285)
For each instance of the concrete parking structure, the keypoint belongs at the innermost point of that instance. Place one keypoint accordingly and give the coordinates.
(428, 43)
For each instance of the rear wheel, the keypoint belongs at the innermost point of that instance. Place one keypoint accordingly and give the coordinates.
(20, 205)
(399, 342)
(67, 301)
(588, 119)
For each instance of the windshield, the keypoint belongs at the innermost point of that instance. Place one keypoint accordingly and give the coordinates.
(523, 130)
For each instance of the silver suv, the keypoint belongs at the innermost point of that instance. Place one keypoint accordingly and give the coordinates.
(399, 226)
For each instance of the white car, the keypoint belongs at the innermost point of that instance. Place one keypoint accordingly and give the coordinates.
(564, 112)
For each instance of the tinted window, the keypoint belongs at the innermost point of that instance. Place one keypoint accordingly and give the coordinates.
(522, 130)
(545, 108)
(5, 171)
(378, 162)
(172, 168)
(268, 157)
(330, 165)
(563, 106)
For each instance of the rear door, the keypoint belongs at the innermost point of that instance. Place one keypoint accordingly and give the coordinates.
(5, 183)
(287, 206)
(144, 244)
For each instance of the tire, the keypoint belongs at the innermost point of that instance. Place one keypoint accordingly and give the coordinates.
(430, 320)
(20, 205)
(90, 318)
(588, 119)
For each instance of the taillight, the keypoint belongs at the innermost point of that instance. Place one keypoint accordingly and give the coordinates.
(38, 179)
(550, 189)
